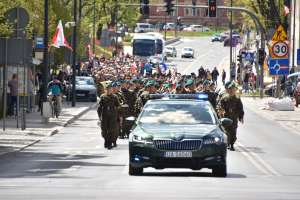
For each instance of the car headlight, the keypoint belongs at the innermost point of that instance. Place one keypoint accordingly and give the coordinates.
(214, 140)
(140, 139)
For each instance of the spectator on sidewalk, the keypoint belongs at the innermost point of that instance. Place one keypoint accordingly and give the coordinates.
(13, 87)
(215, 74)
(223, 76)
(297, 93)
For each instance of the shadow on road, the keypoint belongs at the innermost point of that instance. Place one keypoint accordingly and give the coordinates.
(189, 174)
(36, 164)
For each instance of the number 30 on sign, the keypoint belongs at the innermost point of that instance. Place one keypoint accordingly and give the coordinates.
(280, 49)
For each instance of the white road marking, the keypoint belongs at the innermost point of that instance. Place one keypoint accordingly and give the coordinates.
(258, 162)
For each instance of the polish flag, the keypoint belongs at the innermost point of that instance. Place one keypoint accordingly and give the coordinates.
(286, 11)
(59, 39)
(287, 5)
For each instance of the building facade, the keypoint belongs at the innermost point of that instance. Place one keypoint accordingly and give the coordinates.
(188, 15)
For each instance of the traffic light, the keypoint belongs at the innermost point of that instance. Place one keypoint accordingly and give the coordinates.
(212, 8)
(261, 56)
(169, 5)
(144, 9)
(239, 58)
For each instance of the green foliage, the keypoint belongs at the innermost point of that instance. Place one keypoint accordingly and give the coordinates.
(270, 12)
(63, 10)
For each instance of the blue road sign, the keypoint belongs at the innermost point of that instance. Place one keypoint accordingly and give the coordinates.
(39, 43)
(279, 66)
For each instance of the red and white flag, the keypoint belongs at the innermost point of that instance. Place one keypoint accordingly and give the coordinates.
(287, 5)
(286, 11)
(59, 39)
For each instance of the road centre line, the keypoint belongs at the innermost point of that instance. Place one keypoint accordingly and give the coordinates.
(258, 162)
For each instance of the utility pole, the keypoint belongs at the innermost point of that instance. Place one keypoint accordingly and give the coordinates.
(74, 55)
(45, 69)
(294, 32)
(231, 42)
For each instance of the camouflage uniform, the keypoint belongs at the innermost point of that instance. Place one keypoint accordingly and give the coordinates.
(231, 107)
(128, 110)
(141, 101)
(108, 109)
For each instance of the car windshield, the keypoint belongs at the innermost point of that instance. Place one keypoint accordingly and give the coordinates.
(179, 113)
(84, 81)
(188, 49)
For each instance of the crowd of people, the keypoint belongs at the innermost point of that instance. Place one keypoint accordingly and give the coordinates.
(125, 84)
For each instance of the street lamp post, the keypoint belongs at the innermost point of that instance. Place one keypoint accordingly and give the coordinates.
(94, 25)
(231, 42)
(74, 55)
(45, 69)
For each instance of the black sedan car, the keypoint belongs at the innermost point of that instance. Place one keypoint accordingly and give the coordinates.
(178, 133)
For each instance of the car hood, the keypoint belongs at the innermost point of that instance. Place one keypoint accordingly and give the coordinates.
(85, 87)
(176, 131)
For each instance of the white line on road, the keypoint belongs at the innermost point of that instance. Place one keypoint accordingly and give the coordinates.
(258, 162)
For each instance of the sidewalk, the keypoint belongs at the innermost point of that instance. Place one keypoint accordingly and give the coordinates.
(14, 139)
(288, 119)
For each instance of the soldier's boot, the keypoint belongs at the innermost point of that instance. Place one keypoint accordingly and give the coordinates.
(232, 148)
(115, 144)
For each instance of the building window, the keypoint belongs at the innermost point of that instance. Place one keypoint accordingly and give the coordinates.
(198, 12)
(186, 12)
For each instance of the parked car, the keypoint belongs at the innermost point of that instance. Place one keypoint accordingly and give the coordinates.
(196, 28)
(86, 88)
(171, 51)
(143, 28)
(187, 52)
(169, 26)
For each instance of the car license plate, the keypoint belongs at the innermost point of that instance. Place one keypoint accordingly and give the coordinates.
(80, 95)
(178, 154)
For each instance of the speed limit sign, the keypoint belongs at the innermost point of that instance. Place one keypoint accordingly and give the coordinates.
(280, 49)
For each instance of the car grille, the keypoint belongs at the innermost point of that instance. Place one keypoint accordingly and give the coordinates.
(177, 145)
(86, 92)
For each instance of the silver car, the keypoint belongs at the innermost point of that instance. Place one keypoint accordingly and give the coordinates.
(86, 88)
(171, 51)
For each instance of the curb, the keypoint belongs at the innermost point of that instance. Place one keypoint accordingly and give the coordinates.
(53, 132)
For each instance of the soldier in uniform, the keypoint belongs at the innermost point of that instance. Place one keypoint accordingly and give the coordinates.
(231, 106)
(211, 95)
(128, 108)
(108, 109)
(189, 87)
(150, 88)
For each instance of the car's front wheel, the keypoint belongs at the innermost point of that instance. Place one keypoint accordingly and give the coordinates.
(219, 171)
(134, 171)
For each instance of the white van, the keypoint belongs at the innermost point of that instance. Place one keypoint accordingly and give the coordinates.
(143, 28)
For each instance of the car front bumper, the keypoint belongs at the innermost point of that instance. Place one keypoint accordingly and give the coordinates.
(146, 155)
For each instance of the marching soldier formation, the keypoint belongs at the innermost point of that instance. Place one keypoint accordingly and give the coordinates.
(126, 96)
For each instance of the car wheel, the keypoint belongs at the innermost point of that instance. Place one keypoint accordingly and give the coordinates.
(219, 171)
(134, 171)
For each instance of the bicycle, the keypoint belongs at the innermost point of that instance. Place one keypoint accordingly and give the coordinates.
(54, 105)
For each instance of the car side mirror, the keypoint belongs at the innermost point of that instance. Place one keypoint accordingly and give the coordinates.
(226, 122)
(130, 119)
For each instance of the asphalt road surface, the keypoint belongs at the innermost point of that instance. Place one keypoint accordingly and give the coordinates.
(207, 54)
(74, 165)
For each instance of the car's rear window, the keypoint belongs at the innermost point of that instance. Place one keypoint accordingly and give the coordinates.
(181, 113)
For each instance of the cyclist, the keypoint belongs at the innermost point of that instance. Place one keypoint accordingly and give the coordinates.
(55, 89)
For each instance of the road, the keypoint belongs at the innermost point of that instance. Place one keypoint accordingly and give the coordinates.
(74, 165)
(207, 54)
